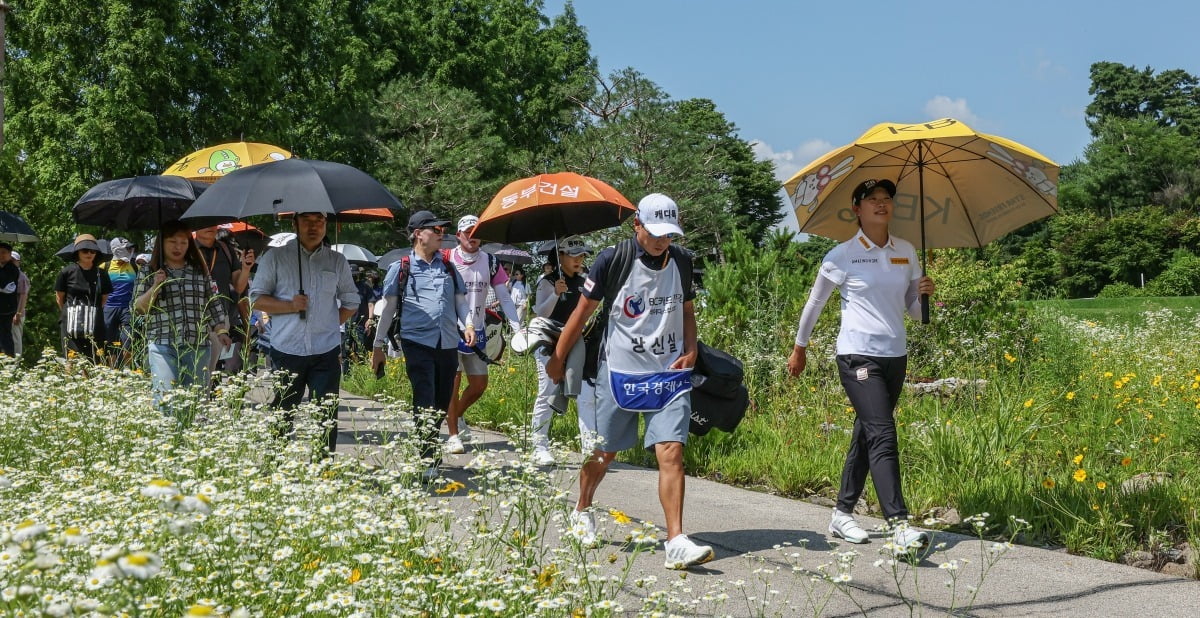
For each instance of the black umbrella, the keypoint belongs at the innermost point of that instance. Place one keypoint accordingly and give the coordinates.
(67, 253)
(291, 185)
(14, 229)
(508, 253)
(137, 203)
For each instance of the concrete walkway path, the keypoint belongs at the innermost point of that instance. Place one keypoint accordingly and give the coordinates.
(746, 528)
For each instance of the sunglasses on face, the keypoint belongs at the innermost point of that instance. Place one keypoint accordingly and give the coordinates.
(437, 228)
(90, 251)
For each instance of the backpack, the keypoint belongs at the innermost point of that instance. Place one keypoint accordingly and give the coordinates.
(402, 282)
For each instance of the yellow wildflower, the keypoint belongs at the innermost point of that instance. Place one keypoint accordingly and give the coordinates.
(1080, 475)
(1070, 395)
(1101, 485)
(1048, 483)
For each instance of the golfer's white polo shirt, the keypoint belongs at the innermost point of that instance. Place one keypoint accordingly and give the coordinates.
(872, 281)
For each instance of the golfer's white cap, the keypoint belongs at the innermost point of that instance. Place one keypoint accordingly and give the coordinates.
(659, 215)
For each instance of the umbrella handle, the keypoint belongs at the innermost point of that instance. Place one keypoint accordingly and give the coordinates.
(924, 308)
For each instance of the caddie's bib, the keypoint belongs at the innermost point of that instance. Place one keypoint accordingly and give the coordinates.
(645, 335)
(480, 342)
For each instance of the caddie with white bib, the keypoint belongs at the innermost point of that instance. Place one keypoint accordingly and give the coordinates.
(645, 368)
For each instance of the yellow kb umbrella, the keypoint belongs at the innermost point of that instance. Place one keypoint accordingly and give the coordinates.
(210, 164)
(954, 187)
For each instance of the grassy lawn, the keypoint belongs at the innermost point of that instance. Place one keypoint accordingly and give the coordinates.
(1119, 310)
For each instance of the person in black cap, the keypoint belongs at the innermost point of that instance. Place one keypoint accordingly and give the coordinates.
(84, 285)
(878, 277)
(10, 276)
(429, 297)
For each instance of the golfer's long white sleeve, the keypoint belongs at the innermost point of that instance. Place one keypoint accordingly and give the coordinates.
(385, 320)
(821, 290)
(546, 299)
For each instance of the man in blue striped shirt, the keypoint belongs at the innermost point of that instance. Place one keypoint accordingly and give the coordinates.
(307, 346)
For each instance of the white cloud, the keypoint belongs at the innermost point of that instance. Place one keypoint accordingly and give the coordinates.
(943, 106)
(788, 162)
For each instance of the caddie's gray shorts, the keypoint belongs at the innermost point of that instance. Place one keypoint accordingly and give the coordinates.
(617, 428)
(470, 364)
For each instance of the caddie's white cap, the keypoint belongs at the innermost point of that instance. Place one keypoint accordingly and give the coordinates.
(467, 222)
(659, 215)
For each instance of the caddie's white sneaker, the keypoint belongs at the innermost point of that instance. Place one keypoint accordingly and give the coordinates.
(682, 553)
(464, 431)
(844, 526)
(543, 457)
(455, 446)
(583, 527)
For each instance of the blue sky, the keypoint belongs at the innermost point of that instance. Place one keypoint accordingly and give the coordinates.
(801, 77)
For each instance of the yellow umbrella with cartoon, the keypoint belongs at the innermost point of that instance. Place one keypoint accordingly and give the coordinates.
(955, 187)
(210, 164)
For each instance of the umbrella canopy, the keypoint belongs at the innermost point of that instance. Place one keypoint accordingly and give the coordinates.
(137, 203)
(67, 253)
(508, 253)
(14, 229)
(291, 185)
(955, 187)
(547, 206)
(210, 164)
(356, 254)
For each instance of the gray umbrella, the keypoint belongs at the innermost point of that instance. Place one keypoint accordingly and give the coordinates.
(14, 229)
(508, 253)
(290, 185)
(356, 254)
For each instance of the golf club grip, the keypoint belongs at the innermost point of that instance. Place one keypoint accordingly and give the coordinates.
(924, 308)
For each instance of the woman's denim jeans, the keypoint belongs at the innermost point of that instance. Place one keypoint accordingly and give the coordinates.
(171, 366)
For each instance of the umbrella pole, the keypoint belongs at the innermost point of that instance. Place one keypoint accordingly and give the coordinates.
(300, 270)
(558, 261)
(924, 250)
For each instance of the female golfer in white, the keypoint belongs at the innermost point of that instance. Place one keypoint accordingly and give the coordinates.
(879, 278)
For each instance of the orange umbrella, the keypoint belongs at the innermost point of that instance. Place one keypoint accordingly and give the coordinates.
(549, 206)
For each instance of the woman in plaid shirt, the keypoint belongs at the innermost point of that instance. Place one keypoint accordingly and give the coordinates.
(179, 298)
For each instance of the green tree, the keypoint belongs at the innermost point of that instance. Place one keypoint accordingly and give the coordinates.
(1170, 98)
(637, 139)
(437, 147)
(1133, 163)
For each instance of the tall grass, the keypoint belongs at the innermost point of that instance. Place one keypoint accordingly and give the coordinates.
(1068, 410)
